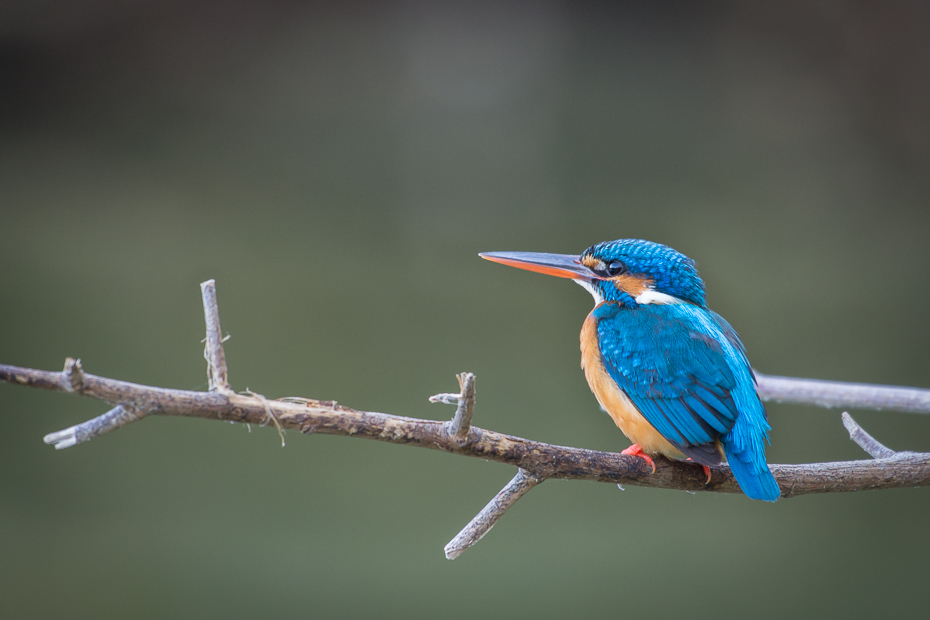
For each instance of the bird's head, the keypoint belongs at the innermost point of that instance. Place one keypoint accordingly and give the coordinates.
(627, 271)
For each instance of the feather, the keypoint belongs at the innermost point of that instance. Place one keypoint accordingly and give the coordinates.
(685, 370)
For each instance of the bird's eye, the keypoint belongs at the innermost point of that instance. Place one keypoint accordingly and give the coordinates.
(615, 268)
(610, 269)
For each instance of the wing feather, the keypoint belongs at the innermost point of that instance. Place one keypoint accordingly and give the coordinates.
(674, 371)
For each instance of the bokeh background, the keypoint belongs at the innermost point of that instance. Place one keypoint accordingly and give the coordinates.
(337, 168)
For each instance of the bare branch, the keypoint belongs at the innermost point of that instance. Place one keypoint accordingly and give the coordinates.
(460, 425)
(866, 441)
(118, 416)
(544, 460)
(841, 394)
(446, 398)
(536, 461)
(485, 520)
(74, 375)
(213, 351)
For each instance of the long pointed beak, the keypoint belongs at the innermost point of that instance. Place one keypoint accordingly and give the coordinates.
(560, 265)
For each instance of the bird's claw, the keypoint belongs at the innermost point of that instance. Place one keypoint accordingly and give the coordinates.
(637, 450)
(704, 467)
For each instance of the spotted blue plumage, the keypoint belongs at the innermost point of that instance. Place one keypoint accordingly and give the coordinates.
(682, 365)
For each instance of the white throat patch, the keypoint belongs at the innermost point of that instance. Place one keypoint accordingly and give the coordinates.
(651, 296)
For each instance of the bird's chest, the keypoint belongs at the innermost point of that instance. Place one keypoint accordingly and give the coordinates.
(613, 400)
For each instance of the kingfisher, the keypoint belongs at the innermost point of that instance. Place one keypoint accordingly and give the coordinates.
(671, 373)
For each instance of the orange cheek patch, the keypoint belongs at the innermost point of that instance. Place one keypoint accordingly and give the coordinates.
(632, 285)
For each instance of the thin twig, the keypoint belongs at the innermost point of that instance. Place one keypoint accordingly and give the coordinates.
(461, 423)
(866, 441)
(117, 417)
(213, 351)
(842, 394)
(485, 520)
(74, 375)
(446, 398)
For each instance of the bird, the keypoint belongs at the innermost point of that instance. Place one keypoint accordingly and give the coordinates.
(671, 373)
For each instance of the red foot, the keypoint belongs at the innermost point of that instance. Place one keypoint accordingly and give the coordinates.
(705, 468)
(637, 450)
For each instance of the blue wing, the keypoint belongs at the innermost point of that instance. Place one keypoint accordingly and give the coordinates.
(686, 371)
(674, 370)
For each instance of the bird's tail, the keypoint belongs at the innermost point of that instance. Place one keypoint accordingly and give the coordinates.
(745, 450)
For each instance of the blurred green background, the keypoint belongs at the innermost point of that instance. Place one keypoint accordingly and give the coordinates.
(337, 168)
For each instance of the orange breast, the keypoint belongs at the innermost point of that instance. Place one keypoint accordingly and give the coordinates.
(615, 401)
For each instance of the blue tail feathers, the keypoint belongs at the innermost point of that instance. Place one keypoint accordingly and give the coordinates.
(750, 471)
